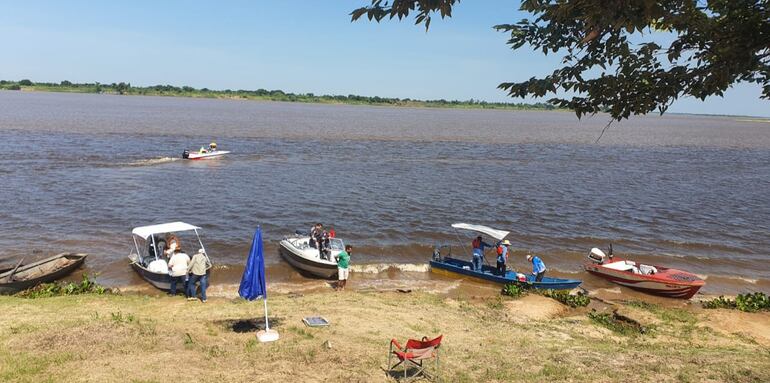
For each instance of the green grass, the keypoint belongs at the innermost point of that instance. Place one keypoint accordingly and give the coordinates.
(609, 321)
(59, 338)
(27, 367)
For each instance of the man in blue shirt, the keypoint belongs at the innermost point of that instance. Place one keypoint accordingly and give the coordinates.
(478, 253)
(538, 267)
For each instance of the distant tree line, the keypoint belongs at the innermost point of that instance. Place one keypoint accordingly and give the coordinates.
(259, 94)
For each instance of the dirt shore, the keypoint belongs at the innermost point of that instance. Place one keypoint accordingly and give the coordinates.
(139, 338)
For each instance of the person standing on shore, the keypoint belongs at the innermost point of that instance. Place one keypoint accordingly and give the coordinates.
(478, 253)
(538, 267)
(197, 269)
(343, 267)
(177, 266)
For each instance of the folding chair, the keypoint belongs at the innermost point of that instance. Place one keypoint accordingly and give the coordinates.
(415, 354)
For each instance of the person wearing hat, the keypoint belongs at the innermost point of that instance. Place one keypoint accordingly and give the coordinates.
(502, 256)
(177, 266)
(538, 267)
(213, 147)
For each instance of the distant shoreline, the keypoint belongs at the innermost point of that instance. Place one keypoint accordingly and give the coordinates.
(262, 95)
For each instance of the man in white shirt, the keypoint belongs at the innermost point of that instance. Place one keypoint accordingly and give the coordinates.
(177, 268)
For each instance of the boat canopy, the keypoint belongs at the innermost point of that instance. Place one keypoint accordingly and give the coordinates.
(494, 233)
(171, 227)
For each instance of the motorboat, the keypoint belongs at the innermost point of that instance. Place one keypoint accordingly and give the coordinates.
(298, 252)
(204, 156)
(23, 277)
(651, 279)
(446, 264)
(204, 153)
(147, 257)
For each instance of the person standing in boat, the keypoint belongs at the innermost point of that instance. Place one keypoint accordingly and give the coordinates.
(197, 269)
(343, 267)
(478, 252)
(315, 232)
(502, 256)
(538, 267)
(177, 265)
(325, 251)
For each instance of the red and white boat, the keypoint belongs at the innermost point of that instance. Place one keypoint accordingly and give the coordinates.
(655, 280)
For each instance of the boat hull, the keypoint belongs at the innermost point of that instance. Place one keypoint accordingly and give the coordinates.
(455, 266)
(76, 260)
(207, 156)
(307, 266)
(161, 281)
(659, 284)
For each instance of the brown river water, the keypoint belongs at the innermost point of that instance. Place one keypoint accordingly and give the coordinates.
(80, 171)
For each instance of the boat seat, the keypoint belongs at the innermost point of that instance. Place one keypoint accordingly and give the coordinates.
(622, 266)
(647, 269)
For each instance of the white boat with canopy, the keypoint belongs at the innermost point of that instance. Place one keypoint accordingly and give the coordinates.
(448, 265)
(147, 257)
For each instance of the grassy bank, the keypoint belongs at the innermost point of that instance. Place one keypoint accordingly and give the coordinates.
(133, 338)
(260, 95)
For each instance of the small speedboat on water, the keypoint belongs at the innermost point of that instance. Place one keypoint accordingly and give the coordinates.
(147, 257)
(204, 153)
(655, 280)
(296, 250)
(458, 267)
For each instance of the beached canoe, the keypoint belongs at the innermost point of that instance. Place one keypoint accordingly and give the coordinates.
(458, 267)
(651, 279)
(43, 271)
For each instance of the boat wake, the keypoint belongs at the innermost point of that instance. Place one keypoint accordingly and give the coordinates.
(376, 268)
(152, 161)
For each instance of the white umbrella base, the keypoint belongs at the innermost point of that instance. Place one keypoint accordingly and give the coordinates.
(267, 336)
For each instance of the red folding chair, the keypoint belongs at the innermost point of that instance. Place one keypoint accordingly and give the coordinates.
(415, 355)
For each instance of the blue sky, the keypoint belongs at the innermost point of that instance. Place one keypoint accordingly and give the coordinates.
(296, 46)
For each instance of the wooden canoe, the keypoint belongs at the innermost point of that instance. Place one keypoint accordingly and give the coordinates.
(43, 271)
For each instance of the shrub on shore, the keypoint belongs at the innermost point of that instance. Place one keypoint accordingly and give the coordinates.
(86, 286)
(751, 302)
(574, 301)
(513, 290)
(517, 290)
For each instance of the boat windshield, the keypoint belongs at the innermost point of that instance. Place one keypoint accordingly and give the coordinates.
(336, 244)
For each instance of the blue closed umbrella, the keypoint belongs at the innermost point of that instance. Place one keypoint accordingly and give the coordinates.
(253, 284)
(253, 280)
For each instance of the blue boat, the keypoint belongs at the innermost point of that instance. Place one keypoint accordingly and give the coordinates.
(453, 266)
(489, 274)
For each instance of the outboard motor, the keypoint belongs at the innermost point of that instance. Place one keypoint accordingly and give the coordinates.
(186, 154)
(597, 255)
